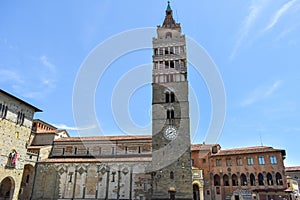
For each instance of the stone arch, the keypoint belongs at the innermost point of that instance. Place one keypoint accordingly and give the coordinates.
(27, 182)
(226, 180)
(196, 190)
(7, 188)
(234, 179)
(243, 180)
(260, 179)
(216, 180)
(252, 179)
(279, 179)
(270, 179)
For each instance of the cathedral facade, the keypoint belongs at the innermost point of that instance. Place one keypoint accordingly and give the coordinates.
(132, 167)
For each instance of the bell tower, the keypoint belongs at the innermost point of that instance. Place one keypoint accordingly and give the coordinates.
(171, 156)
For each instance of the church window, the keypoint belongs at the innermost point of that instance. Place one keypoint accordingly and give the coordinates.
(63, 151)
(171, 175)
(172, 64)
(172, 97)
(168, 35)
(20, 118)
(166, 50)
(167, 95)
(156, 65)
(126, 149)
(167, 64)
(75, 150)
(161, 51)
(171, 50)
(170, 114)
(218, 162)
(155, 51)
(88, 151)
(139, 149)
(3, 111)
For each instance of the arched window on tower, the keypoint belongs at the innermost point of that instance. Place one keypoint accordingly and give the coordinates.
(167, 95)
(171, 175)
(170, 115)
(168, 35)
(172, 97)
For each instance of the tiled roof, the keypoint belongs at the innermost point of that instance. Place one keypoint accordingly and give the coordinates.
(103, 138)
(195, 147)
(294, 168)
(247, 150)
(88, 160)
(18, 99)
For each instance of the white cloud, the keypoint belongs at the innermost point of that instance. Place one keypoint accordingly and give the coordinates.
(46, 63)
(279, 14)
(255, 10)
(71, 128)
(261, 93)
(34, 80)
(10, 76)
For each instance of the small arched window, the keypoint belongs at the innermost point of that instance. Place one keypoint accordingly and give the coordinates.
(270, 179)
(260, 179)
(171, 175)
(168, 35)
(279, 179)
(170, 114)
(167, 96)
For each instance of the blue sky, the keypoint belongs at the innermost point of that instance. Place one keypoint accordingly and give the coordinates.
(254, 44)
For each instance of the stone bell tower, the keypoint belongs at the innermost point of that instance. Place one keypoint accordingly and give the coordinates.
(171, 156)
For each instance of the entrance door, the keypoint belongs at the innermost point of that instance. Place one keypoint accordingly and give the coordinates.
(172, 195)
(196, 195)
(7, 188)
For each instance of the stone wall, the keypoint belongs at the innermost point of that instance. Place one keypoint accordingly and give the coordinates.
(15, 128)
(113, 180)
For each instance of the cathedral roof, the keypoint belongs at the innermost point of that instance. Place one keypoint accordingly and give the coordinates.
(111, 138)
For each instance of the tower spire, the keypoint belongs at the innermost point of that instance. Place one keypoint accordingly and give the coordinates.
(169, 22)
(169, 7)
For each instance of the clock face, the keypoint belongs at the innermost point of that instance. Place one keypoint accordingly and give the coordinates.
(170, 133)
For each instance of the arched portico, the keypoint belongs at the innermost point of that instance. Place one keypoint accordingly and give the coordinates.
(197, 190)
(7, 187)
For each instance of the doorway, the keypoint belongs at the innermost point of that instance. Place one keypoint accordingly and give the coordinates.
(196, 195)
(7, 188)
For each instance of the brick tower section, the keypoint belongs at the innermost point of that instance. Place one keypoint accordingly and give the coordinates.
(171, 157)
